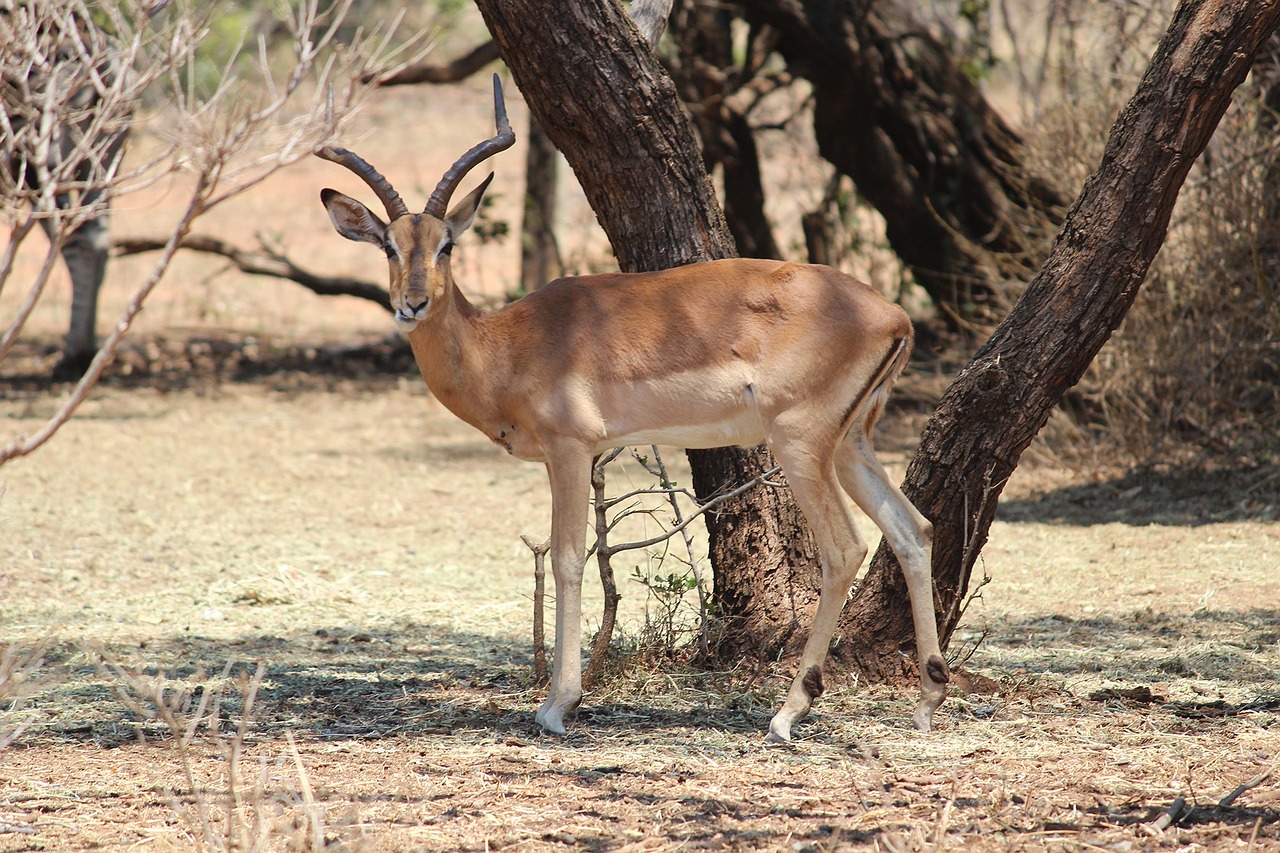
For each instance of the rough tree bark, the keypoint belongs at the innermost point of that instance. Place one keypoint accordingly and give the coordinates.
(1090, 279)
(895, 112)
(593, 83)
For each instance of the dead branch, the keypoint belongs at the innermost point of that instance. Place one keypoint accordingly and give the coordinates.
(449, 72)
(1230, 798)
(1170, 815)
(604, 553)
(230, 140)
(539, 550)
(659, 470)
(263, 262)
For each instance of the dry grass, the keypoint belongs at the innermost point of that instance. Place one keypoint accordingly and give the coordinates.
(350, 535)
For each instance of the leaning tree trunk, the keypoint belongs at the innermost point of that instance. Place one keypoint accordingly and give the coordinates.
(896, 112)
(1111, 234)
(593, 84)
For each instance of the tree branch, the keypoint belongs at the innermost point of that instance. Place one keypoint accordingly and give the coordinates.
(450, 72)
(264, 262)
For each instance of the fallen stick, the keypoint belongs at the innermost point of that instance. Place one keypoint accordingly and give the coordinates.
(1230, 798)
(1170, 815)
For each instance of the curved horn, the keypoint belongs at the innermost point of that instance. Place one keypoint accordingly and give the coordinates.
(501, 142)
(381, 186)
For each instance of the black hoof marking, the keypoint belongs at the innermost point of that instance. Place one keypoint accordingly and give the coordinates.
(937, 669)
(812, 682)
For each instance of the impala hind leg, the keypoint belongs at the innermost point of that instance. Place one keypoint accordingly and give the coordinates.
(910, 535)
(813, 484)
(570, 476)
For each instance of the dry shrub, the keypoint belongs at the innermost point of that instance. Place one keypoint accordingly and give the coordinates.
(1193, 374)
(1196, 365)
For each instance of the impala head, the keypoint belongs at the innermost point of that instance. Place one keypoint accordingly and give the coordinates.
(417, 245)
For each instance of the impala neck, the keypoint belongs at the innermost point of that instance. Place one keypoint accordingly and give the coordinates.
(454, 356)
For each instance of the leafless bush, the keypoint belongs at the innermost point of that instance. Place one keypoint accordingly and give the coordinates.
(19, 664)
(224, 136)
(1197, 362)
(1195, 367)
(243, 816)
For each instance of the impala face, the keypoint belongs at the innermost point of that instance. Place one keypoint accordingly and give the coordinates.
(418, 247)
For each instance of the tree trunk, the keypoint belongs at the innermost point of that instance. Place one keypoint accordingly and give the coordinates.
(707, 76)
(593, 84)
(539, 254)
(895, 112)
(1111, 234)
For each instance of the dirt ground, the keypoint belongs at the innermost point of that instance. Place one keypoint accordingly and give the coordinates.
(262, 480)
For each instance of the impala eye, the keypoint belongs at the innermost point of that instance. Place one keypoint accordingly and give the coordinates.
(446, 249)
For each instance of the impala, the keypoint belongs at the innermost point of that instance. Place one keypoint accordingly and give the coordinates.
(730, 352)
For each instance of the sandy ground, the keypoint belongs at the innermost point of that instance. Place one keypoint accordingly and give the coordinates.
(364, 546)
(246, 489)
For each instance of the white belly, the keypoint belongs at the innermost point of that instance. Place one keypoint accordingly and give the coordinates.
(695, 410)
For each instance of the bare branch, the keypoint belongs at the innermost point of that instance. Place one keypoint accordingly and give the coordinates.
(69, 92)
(450, 72)
(265, 262)
(650, 17)
(703, 509)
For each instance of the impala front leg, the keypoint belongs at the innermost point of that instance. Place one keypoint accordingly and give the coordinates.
(570, 474)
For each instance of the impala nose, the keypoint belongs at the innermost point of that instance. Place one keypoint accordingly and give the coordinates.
(407, 317)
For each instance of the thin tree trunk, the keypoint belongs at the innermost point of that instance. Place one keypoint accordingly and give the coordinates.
(707, 75)
(593, 84)
(1111, 234)
(539, 254)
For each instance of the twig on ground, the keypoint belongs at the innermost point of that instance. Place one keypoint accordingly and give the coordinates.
(1170, 815)
(1230, 798)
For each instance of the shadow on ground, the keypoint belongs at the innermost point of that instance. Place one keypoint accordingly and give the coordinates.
(1165, 495)
(340, 683)
(175, 364)
(334, 684)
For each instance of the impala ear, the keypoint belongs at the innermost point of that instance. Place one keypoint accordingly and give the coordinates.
(352, 219)
(464, 212)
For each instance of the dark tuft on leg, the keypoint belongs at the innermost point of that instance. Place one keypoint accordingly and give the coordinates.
(813, 682)
(938, 670)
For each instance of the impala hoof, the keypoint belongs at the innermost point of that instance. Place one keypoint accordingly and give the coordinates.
(549, 721)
